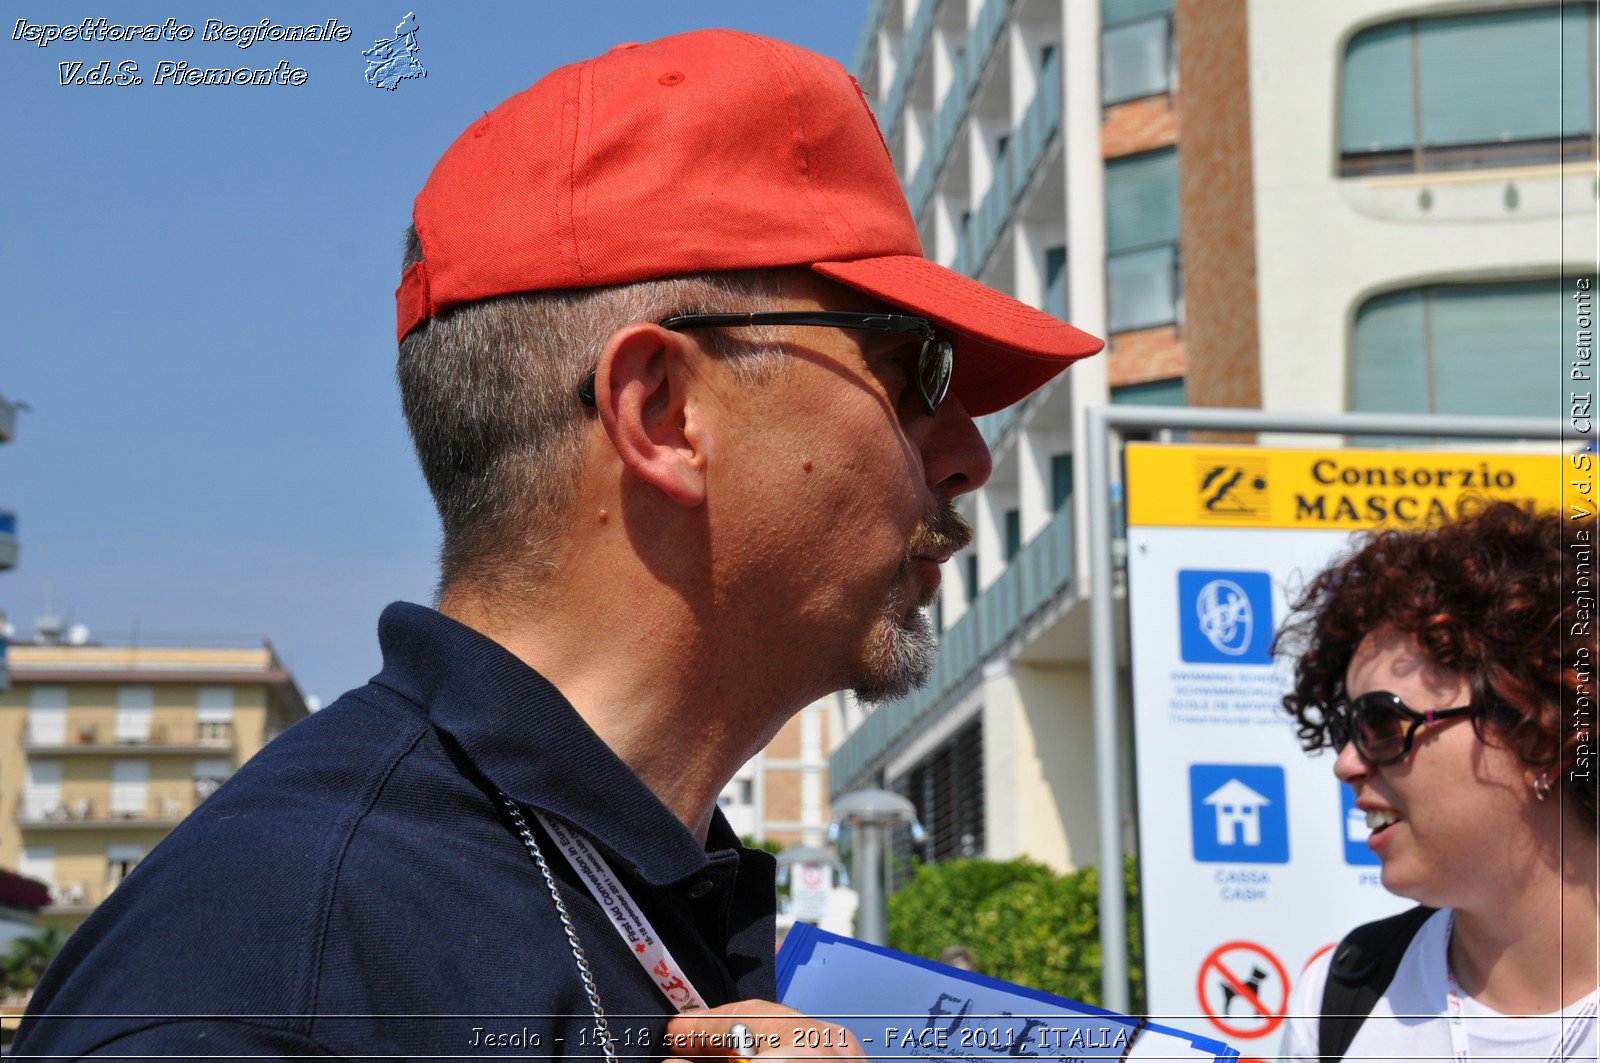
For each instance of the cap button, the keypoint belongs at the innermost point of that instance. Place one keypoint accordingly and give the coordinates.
(624, 46)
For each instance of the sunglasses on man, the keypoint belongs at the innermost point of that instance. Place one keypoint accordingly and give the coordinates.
(1382, 726)
(935, 361)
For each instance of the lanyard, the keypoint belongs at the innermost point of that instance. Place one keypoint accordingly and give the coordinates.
(630, 923)
(1575, 1029)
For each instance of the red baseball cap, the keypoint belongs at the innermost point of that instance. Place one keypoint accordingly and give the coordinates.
(706, 151)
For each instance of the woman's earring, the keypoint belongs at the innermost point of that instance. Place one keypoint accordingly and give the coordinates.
(1541, 786)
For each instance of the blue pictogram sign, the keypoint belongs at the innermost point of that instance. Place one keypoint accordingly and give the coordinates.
(1224, 617)
(1238, 814)
(1353, 828)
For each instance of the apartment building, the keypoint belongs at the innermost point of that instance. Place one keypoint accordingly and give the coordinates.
(780, 795)
(1351, 205)
(104, 748)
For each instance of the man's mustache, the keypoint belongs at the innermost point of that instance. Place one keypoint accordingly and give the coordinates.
(945, 532)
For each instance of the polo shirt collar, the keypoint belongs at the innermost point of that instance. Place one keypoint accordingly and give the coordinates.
(528, 740)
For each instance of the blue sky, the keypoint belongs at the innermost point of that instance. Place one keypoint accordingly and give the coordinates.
(199, 288)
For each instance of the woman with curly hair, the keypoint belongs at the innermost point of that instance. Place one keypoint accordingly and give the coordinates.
(1442, 666)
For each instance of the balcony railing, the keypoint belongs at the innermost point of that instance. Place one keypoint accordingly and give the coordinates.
(991, 217)
(1039, 125)
(1013, 170)
(90, 812)
(968, 75)
(981, 41)
(994, 426)
(947, 121)
(72, 896)
(91, 738)
(921, 188)
(869, 36)
(911, 52)
(1039, 574)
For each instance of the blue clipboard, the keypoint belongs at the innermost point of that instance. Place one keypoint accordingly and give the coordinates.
(903, 1007)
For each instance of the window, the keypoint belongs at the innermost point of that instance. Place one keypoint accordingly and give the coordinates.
(120, 861)
(41, 795)
(214, 715)
(209, 775)
(47, 715)
(130, 783)
(1136, 56)
(972, 576)
(1013, 533)
(1152, 393)
(1460, 348)
(1142, 280)
(1055, 281)
(134, 707)
(1491, 88)
(1060, 480)
(1055, 261)
(739, 792)
(38, 862)
(947, 791)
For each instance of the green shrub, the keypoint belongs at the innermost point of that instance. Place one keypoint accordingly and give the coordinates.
(1022, 921)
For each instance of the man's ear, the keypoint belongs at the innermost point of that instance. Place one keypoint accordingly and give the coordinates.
(641, 391)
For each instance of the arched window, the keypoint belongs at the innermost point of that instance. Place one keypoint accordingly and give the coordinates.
(1485, 349)
(1490, 88)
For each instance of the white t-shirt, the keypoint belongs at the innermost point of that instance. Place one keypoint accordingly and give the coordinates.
(1409, 1021)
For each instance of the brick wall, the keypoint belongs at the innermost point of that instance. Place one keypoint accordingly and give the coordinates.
(1144, 355)
(1139, 125)
(1216, 201)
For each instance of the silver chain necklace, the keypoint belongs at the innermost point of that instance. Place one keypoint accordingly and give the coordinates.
(590, 990)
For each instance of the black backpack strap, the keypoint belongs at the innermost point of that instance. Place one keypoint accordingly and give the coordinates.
(1363, 965)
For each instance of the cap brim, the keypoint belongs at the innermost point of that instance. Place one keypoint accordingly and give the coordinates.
(1005, 349)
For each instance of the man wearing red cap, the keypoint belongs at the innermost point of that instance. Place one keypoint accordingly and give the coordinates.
(693, 408)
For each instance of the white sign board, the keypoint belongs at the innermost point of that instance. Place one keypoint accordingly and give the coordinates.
(1253, 859)
(810, 886)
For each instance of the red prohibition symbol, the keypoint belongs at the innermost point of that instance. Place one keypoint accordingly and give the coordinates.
(1243, 972)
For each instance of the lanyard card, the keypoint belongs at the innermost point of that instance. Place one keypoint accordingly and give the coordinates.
(904, 1007)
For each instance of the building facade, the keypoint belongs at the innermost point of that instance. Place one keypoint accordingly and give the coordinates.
(780, 796)
(1354, 205)
(105, 748)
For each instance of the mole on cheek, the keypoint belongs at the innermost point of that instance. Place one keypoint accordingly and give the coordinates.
(806, 465)
(605, 515)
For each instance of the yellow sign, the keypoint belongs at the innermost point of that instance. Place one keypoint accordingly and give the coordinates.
(1265, 487)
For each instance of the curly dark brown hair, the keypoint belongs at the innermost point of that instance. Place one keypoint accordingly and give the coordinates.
(1483, 595)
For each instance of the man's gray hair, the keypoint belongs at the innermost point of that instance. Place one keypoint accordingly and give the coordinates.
(490, 392)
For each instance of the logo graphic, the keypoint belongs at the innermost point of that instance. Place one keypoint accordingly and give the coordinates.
(1356, 849)
(1224, 617)
(1237, 814)
(1235, 488)
(393, 61)
(1243, 989)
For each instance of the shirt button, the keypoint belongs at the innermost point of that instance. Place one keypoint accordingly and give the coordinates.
(700, 889)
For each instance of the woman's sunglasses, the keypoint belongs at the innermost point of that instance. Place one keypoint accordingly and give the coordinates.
(1382, 726)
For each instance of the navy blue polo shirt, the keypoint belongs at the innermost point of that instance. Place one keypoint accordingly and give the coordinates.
(354, 890)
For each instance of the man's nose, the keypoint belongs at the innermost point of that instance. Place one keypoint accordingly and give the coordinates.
(955, 456)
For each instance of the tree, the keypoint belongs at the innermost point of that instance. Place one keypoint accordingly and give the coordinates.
(1022, 922)
(25, 964)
